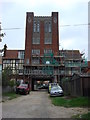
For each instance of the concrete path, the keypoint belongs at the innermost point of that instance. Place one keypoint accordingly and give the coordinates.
(37, 105)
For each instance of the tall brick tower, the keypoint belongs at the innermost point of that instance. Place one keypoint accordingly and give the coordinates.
(42, 37)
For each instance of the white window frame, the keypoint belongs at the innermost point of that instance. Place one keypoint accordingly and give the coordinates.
(35, 51)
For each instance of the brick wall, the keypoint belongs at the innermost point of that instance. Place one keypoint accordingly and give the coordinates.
(30, 34)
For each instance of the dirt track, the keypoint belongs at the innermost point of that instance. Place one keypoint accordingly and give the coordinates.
(37, 105)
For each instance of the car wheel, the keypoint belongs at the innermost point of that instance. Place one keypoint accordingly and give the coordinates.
(26, 92)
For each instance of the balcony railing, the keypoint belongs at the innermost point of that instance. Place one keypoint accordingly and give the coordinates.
(84, 64)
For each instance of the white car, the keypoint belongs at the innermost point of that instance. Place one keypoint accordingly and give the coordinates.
(56, 91)
(51, 85)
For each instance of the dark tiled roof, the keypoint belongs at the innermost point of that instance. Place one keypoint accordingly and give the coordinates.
(71, 54)
(11, 54)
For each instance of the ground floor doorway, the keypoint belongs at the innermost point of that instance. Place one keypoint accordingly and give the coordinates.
(39, 84)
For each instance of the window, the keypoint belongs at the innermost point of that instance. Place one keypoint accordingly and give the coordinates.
(35, 51)
(4, 61)
(48, 41)
(34, 26)
(8, 61)
(27, 61)
(49, 29)
(46, 51)
(38, 26)
(17, 61)
(13, 61)
(21, 54)
(21, 61)
(36, 40)
(35, 61)
(47, 26)
(20, 66)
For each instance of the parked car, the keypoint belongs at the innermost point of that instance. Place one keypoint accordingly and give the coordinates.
(23, 89)
(56, 91)
(51, 85)
(44, 86)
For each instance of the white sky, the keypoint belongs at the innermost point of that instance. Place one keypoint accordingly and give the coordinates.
(13, 15)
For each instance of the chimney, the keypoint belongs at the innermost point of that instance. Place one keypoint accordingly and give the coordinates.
(5, 48)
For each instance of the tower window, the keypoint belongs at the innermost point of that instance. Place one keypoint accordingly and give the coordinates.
(38, 26)
(35, 61)
(49, 29)
(46, 27)
(35, 52)
(36, 40)
(47, 51)
(34, 26)
(48, 41)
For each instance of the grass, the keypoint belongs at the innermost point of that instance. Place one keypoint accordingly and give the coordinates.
(71, 102)
(10, 95)
(84, 116)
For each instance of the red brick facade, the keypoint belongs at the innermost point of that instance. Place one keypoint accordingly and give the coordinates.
(30, 34)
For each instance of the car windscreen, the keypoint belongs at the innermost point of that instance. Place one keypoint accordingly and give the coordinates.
(56, 88)
(23, 85)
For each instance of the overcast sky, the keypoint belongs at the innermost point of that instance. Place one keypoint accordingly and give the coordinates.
(71, 12)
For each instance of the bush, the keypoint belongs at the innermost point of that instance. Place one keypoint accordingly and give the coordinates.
(11, 83)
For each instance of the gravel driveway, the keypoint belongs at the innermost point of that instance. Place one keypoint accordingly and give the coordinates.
(37, 105)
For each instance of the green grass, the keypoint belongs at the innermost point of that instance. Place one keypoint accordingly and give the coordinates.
(84, 116)
(71, 102)
(10, 95)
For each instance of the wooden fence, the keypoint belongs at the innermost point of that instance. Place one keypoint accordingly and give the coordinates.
(77, 86)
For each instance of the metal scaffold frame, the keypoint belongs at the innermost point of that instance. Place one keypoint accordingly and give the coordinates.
(45, 67)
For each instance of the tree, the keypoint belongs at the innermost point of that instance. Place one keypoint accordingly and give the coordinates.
(6, 76)
(12, 84)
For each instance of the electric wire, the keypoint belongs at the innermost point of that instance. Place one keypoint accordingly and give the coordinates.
(67, 25)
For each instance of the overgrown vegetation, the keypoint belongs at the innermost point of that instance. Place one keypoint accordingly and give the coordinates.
(6, 79)
(11, 95)
(65, 79)
(6, 76)
(71, 102)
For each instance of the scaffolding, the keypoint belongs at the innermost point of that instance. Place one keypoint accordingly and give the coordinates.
(73, 61)
(50, 65)
(43, 66)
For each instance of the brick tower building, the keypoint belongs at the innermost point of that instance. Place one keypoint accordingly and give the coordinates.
(41, 35)
(42, 61)
(41, 44)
